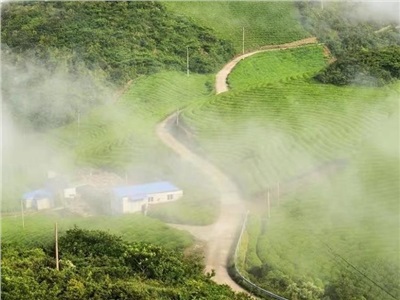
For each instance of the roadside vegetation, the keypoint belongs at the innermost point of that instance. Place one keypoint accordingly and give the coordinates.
(98, 265)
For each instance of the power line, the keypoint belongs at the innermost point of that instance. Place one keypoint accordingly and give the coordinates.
(357, 270)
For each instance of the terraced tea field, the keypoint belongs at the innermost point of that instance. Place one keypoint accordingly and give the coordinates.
(278, 65)
(264, 22)
(334, 152)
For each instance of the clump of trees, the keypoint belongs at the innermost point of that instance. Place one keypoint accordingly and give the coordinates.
(367, 52)
(98, 265)
(374, 67)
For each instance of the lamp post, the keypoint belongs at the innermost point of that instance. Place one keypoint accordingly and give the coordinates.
(187, 60)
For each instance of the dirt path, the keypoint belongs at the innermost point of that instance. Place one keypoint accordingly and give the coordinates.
(220, 236)
(220, 82)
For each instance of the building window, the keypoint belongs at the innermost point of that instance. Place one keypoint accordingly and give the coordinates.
(170, 197)
(151, 199)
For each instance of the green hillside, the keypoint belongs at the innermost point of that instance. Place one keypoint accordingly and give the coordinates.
(73, 55)
(334, 152)
(126, 39)
(326, 156)
(264, 22)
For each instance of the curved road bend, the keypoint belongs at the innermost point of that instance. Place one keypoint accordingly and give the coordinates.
(219, 236)
(220, 82)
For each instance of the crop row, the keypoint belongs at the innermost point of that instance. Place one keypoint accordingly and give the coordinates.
(278, 65)
(285, 125)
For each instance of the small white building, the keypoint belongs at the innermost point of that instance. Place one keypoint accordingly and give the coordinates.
(73, 191)
(136, 198)
(38, 199)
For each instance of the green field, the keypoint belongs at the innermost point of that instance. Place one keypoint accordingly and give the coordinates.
(334, 152)
(278, 65)
(39, 229)
(264, 23)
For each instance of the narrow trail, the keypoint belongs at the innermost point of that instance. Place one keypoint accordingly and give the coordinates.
(220, 236)
(221, 83)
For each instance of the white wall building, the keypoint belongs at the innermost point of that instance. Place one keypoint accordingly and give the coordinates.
(38, 199)
(73, 191)
(136, 198)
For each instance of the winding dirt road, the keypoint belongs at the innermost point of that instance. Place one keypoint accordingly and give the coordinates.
(220, 236)
(221, 83)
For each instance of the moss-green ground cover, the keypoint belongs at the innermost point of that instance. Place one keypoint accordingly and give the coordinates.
(264, 22)
(341, 144)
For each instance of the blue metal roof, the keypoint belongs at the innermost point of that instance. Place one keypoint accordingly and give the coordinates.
(137, 192)
(37, 194)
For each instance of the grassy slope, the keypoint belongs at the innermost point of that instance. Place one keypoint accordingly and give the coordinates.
(124, 135)
(39, 229)
(264, 22)
(121, 137)
(276, 131)
(277, 66)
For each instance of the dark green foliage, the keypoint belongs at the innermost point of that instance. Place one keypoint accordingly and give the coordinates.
(375, 68)
(98, 265)
(367, 51)
(61, 59)
(124, 39)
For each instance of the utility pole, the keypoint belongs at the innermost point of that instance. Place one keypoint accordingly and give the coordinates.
(243, 41)
(268, 205)
(22, 214)
(79, 122)
(187, 60)
(146, 207)
(177, 117)
(279, 192)
(322, 4)
(56, 239)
